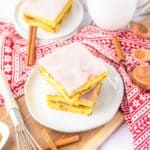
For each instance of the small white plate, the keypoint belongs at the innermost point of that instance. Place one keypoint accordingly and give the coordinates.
(68, 27)
(107, 105)
(4, 131)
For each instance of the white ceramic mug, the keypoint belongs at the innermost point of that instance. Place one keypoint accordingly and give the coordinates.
(116, 14)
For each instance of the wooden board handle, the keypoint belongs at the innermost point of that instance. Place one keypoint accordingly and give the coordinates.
(104, 133)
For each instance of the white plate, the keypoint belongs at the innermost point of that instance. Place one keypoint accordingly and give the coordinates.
(4, 131)
(107, 105)
(69, 26)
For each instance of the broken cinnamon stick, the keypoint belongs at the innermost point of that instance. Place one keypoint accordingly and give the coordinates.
(63, 142)
(49, 141)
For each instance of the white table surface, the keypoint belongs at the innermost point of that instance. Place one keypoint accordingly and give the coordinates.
(121, 139)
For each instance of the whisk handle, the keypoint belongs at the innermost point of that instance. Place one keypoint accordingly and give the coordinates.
(6, 93)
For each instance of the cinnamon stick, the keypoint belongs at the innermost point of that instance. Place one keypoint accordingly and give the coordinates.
(31, 45)
(48, 140)
(63, 142)
(118, 48)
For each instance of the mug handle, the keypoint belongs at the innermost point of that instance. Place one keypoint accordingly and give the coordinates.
(143, 10)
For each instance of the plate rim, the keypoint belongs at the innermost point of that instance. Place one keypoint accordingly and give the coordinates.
(76, 130)
(7, 132)
(25, 34)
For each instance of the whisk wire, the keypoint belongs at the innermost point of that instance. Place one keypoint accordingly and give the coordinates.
(18, 140)
(24, 139)
(32, 140)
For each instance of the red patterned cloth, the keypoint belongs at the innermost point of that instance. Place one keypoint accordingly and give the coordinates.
(136, 102)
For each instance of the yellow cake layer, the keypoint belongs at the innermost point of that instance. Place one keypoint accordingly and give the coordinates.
(44, 24)
(75, 97)
(90, 82)
(70, 108)
(82, 100)
(78, 95)
(61, 89)
(48, 25)
(53, 82)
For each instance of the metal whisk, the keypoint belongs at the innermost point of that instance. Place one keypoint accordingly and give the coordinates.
(25, 141)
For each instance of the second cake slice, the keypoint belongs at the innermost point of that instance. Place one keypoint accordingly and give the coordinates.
(47, 14)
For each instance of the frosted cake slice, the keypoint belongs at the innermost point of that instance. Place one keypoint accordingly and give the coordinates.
(46, 14)
(72, 70)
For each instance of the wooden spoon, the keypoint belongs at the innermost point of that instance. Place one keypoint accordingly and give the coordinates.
(141, 76)
(140, 30)
(142, 54)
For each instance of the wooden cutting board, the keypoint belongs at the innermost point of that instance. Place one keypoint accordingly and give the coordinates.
(89, 140)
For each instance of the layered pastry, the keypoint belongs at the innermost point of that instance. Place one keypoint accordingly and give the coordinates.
(76, 74)
(47, 14)
(83, 105)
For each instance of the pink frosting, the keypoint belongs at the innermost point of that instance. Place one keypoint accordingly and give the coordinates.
(72, 66)
(48, 9)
